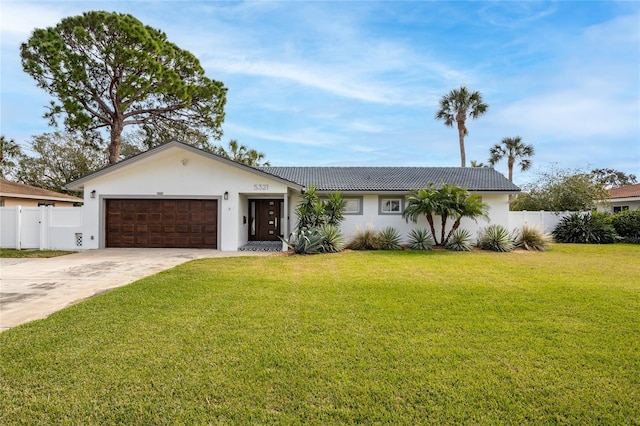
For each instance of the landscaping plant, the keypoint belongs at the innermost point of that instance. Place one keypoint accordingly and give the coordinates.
(332, 241)
(318, 220)
(532, 238)
(496, 238)
(389, 239)
(627, 225)
(420, 239)
(460, 240)
(365, 239)
(585, 228)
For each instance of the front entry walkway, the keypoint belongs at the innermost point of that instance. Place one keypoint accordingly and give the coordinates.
(32, 289)
(262, 246)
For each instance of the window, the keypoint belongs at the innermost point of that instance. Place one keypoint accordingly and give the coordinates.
(1, 203)
(353, 205)
(391, 205)
(618, 209)
(46, 203)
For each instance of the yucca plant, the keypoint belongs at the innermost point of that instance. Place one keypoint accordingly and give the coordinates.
(585, 228)
(420, 239)
(533, 238)
(459, 240)
(389, 239)
(365, 239)
(496, 238)
(333, 241)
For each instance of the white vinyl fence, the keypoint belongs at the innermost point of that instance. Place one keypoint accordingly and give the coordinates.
(546, 220)
(43, 228)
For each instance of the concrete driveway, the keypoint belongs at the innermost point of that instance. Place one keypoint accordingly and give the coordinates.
(31, 289)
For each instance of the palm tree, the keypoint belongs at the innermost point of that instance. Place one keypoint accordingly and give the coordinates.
(513, 149)
(468, 205)
(458, 105)
(241, 154)
(9, 151)
(422, 202)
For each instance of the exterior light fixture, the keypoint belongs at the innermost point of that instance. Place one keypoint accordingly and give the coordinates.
(226, 195)
(93, 194)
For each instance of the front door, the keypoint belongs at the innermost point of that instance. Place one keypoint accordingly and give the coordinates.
(265, 220)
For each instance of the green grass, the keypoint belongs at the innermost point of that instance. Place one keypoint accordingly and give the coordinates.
(362, 337)
(32, 253)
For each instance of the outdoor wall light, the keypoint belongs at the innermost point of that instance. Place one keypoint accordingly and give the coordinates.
(93, 194)
(226, 195)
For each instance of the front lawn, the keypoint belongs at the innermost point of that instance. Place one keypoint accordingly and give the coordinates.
(33, 253)
(362, 337)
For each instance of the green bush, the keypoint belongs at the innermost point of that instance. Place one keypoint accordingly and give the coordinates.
(460, 240)
(365, 239)
(585, 228)
(389, 239)
(496, 238)
(627, 225)
(421, 239)
(532, 238)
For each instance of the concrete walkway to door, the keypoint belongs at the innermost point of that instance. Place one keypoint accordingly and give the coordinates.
(32, 289)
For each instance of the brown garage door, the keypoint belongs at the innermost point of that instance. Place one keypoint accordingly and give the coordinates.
(162, 223)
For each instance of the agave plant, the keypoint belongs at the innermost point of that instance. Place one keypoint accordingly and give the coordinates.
(496, 238)
(420, 239)
(459, 240)
(306, 241)
(533, 238)
(389, 239)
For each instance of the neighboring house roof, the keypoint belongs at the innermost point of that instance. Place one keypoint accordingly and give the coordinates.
(20, 190)
(627, 191)
(393, 178)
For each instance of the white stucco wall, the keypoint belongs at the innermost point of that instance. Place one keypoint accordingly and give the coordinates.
(179, 173)
(498, 214)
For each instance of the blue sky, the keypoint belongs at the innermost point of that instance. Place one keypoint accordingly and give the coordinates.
(358, 83)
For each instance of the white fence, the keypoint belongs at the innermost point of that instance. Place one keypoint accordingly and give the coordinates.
(546, 220)
(60, 228)
(44, 228)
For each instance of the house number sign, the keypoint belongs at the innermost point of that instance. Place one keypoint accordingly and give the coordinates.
(260, 187)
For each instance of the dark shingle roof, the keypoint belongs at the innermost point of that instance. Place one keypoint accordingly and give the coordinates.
(393, 178)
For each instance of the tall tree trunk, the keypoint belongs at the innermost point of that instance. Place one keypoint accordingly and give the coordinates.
(455, 226)
(461, 133)
(433, 228)
(510, 162)
(116, 140)
(443, 222)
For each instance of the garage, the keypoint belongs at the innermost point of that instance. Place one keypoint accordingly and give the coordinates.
(153, 223)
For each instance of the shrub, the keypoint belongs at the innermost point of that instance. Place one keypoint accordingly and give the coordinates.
(459, 240)
(365, 239)
(585, 228)
(421, 239)
(496, 238)
(306, 241)
(333, 241)
(627, 225)
(389, 239)
(533, 238)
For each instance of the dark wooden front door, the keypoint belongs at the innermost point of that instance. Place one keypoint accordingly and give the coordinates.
(162, 223)
(265, 220)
